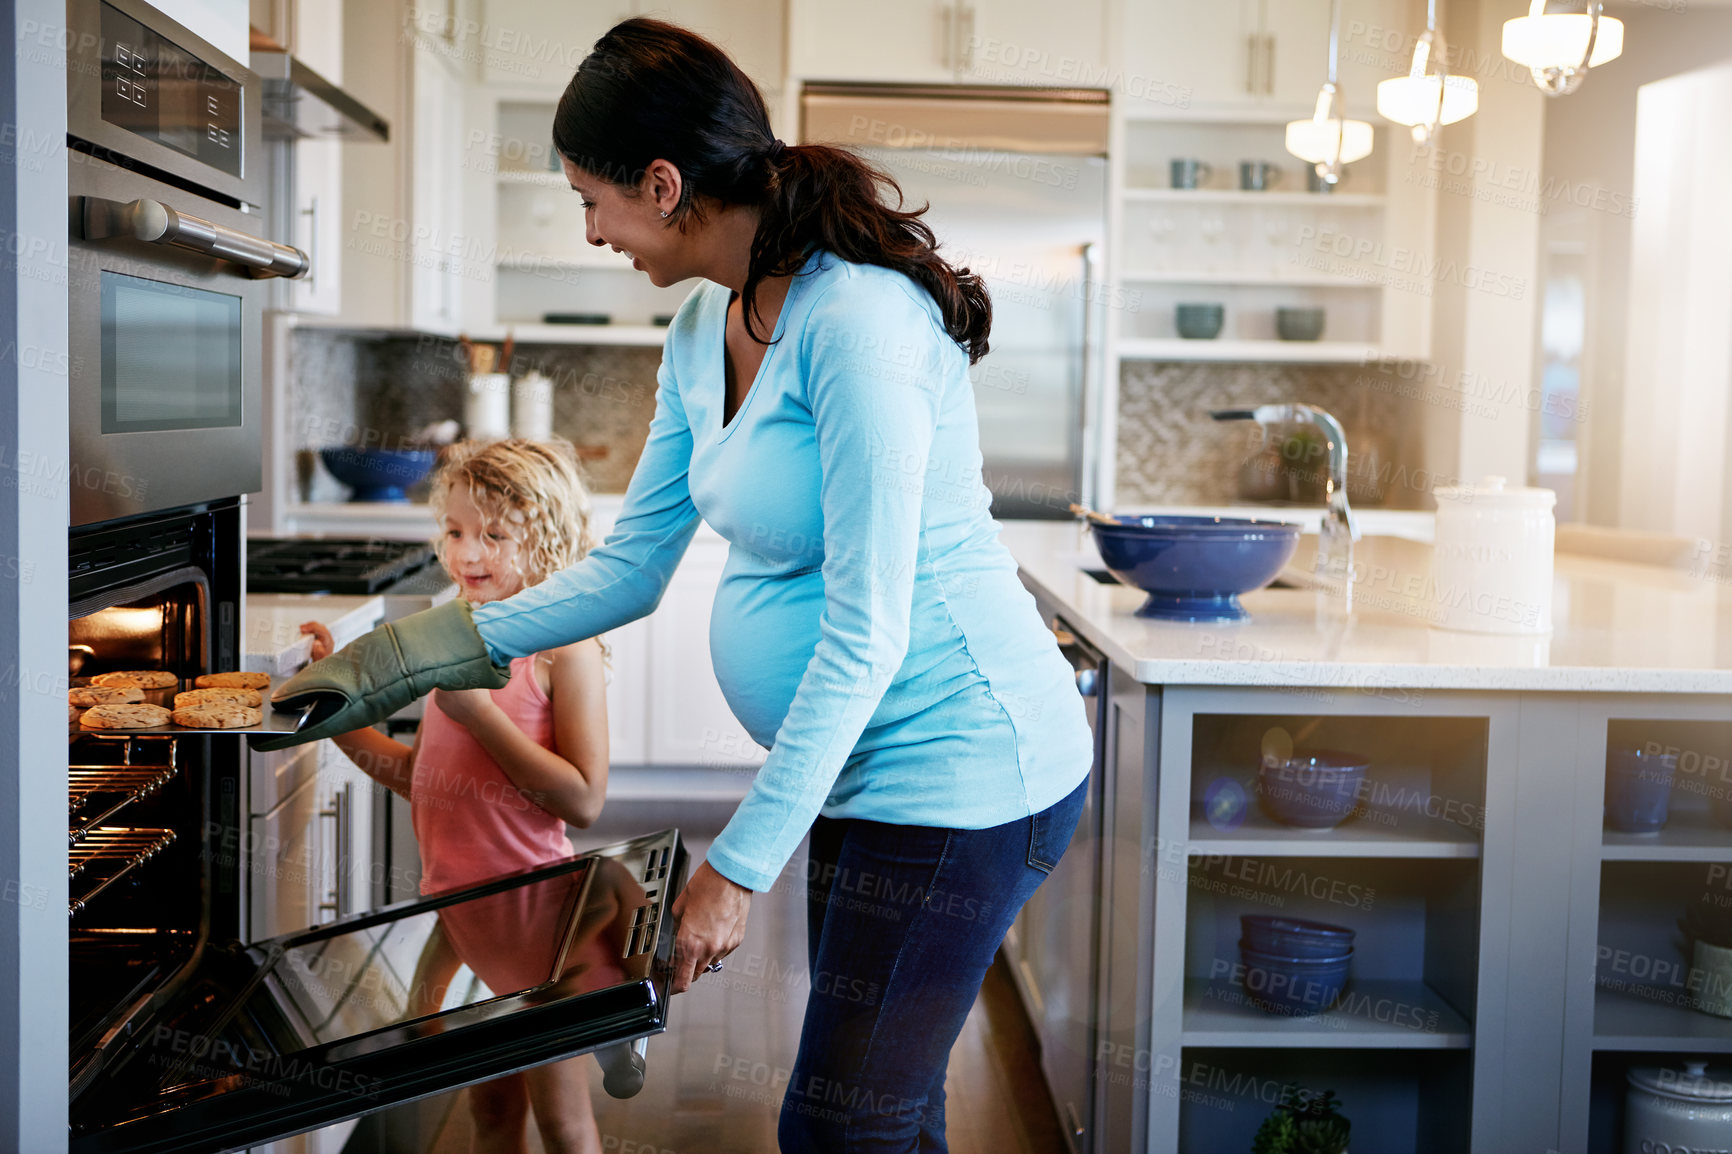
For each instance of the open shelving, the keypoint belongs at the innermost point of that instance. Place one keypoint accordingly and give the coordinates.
(1372, 1014)
(1271, 198)
(1400, 1047)
(1398, 1101)
(1254, 252)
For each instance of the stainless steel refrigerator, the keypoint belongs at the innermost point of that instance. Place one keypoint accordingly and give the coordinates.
(1017, 184)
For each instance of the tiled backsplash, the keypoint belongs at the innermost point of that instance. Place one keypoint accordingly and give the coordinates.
(1171, 452)
(362, 389)
(350, 388)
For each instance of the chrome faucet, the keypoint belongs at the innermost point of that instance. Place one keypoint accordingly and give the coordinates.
(1339, 530)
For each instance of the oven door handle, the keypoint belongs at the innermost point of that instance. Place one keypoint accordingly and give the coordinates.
(153, 222)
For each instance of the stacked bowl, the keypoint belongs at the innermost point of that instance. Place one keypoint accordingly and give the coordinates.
(1294, 967)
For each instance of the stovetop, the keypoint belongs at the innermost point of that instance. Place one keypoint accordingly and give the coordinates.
(334, 565)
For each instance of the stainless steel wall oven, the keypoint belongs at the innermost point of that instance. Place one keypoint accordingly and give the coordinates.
(186, 1036)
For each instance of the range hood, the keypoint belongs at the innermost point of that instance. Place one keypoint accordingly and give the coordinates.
(299, 103)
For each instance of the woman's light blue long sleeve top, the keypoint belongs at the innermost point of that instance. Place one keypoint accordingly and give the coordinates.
(869, 628)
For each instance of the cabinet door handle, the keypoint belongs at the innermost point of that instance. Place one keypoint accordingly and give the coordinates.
(1269, 65)
(965, 37)
(946, 35)
(1251, 43)
(311, 212)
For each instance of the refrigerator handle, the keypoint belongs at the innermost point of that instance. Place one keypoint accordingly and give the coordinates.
(1087, 423)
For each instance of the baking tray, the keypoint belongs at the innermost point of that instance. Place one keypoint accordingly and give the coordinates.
(274, 720)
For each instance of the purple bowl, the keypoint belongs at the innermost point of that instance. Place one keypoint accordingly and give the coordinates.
(1315, 790)
(1294, 937)
(1294, 987)
(1194, 568)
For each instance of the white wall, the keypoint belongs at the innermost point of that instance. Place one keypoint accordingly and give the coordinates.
(34, 513)
(1590, 149)
(1678, 368)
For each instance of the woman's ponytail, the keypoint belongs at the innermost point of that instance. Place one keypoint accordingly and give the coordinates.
(652, 90)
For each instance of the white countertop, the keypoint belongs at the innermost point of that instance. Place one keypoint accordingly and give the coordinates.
(1616, 627)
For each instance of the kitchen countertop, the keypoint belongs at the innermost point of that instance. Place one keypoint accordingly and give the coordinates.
(273, 642)
(1617, 627)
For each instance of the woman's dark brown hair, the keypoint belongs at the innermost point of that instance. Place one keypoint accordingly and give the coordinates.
(652, 91)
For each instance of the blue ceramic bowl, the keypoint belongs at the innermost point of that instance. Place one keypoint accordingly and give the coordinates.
(1638, 789)
(1294, 937)
(1315, 790)
(1294, 987)
(1194, 568)
(378, 474)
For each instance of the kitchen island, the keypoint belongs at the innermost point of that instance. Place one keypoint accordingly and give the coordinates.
(1513, 957)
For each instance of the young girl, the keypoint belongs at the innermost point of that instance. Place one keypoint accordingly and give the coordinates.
(495, 776)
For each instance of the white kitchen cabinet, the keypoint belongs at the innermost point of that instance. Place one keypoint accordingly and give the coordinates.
(939, 41)
(912, 41)
(690, 722)
(1031, 42)
(539, 43)
(1296, 51)
(312, 30)
(436, 242)
(318, 167)
(1266, 57)
(1181, 54)
(752, 31)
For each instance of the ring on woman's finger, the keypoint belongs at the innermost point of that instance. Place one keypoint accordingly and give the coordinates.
(713, 968)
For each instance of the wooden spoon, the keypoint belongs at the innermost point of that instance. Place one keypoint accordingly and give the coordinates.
(1085, 513)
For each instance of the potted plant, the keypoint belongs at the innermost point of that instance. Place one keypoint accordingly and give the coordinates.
(1303, 1122)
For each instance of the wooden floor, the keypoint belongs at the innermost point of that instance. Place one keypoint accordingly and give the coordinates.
(715, 1078)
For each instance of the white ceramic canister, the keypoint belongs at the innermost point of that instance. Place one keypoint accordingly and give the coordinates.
(532, 407)
(1491, 561)
(487, 407)
(1678, 1111)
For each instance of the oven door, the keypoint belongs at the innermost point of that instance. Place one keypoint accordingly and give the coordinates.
(165, 355)
(314, 1027)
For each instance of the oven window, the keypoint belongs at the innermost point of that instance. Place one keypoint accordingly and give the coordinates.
(171, 356)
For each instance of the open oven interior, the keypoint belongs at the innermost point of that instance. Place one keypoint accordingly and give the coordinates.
(145, 891)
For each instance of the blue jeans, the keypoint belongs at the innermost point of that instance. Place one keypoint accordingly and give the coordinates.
(902, 924)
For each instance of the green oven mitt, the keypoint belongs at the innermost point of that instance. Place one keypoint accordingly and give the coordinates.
(374, 676)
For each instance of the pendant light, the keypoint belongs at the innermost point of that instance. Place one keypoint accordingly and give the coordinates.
(1425, 100)
(1560, 47)
(1329, 140)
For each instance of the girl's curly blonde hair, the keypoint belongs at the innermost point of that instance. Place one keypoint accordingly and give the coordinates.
(535, 489)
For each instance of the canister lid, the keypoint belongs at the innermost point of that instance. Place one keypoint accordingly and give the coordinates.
(1493, 492)
(1696, 1082)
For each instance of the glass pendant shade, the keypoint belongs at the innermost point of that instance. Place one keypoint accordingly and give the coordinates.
(1423, 99)
(1327, 139)
(1560, 47)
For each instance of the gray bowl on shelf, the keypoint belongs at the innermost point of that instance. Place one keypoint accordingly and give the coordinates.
(1299, 324)
(1199, 322)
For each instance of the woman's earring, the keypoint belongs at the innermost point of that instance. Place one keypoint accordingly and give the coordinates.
(664, 215)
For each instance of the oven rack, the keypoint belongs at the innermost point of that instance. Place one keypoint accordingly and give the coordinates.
(105, 792)
(108, 853)
(110, 787)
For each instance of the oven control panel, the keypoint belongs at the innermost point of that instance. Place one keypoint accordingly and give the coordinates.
(158, 90)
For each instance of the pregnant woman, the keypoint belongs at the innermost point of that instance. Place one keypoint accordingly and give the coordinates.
(814, 407)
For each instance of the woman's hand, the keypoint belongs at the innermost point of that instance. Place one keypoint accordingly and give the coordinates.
(467, 707)
(323, 646)
(711, 915)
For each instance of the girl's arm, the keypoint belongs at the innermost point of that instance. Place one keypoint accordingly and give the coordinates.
(385, 760)
(571, 783)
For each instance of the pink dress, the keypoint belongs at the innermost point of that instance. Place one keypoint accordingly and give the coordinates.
(471, 821)
(473, 824)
